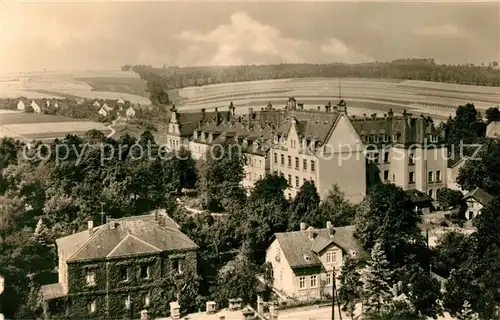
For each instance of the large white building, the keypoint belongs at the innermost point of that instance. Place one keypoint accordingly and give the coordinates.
(324, 146)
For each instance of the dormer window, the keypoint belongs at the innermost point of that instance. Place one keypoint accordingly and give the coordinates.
(374, 138)
(434, 138)
(385, 138)
(210, 137)
(395, 137)
(203, 136)
(307, 257)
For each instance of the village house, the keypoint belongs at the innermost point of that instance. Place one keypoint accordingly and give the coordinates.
(37, 108)
(493, 130)
(452, 171)
(306, 262)
(130, 113)
(97, 104)
(120, 268)
(120, 101)
(21, 106)
(476, 200)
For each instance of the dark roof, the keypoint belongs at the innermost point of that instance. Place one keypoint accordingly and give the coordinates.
(189, 121)
(480, 196)
(418, 196)
(311, 125)
(296, 245)
(130, 236)
(52, 291)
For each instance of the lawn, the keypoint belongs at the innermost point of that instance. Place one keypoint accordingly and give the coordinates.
(25, 118)
(53, 135)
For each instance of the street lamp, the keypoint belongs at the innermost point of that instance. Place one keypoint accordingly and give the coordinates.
(334, 293)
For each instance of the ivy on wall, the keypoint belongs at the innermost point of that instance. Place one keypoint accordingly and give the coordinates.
(111, 290)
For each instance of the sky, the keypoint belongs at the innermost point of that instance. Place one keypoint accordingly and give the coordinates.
(105, 35)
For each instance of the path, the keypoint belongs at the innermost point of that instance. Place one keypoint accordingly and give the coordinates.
(113, 131)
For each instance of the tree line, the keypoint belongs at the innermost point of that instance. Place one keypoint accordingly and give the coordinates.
(403, 69)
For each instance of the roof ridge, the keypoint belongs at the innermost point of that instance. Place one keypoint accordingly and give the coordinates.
(119, 243)
(148, 244)
(92, 236)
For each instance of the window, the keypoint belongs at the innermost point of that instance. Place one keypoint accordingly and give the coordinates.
(374, 138)
(127, 302)
(386, 175)
(430, 193)
(438, 175)
(434, 138)
(297, 166)
(329, 279)
(302, 282)
(331, 257)
(289, 197)
(304, 164)
(314, 281)
(177, 265)
(282, 160)
(144, 271)
(275, 158)
(411, 177)
(304, 181)
(289, 161)
(297, 182)
(290, 180)
(145, 299)
(386, 156)
(90, 277)
(385, 138)
(313, 166)
(123, 273)
(278, 254)
(411, 159)
(430, 176)
(92, 307)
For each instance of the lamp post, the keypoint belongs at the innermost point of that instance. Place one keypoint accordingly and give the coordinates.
(334, 293)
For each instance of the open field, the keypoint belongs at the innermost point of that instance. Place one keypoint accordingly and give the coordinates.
(87, 84)
(362, 95)
(28, 126)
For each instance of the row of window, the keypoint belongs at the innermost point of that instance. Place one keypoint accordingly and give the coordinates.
(373, 157)
(297, 181)
(374, 138)
(312, 282)
(144, 272)
(297, 162)
(437, 176)
(255, 176)
(126, 302)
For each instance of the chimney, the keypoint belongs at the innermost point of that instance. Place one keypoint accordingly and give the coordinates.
(302, 226)
(161, 220)
(90, 226)
(329, 227)
(311, 233)
(217, 117)
(390, 114)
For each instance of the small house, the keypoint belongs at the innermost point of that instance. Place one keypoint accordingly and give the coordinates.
(120, 101)
(36, 107)
(130, 113)
(475, 201)
(493, 130)
(20, 105)
(97, 104)
(103, 112)
(106, 107)
(421, 201)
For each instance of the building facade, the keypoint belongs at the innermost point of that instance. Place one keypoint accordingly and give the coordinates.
(120, 268)
(306, 262)
(476, 200)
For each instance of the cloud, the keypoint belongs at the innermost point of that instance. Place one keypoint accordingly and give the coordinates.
(446, 30)
(246, 40)
(337, 51)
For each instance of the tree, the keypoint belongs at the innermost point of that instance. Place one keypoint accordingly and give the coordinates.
(452, 251)
(492, 114)
(220, 178)
(304, 206)
(378, 283)
(466, 313)
(423, 291)
(350, 292)
(449, 198)
(487, 227)
(270, 189)
(483, 170)
(334, 208)
(387, 215)
(466, 127)
(459, 288)
(184, 167)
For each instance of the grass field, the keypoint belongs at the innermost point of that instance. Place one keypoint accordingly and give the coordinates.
(122, 85)
(362, 95)
(28, 126)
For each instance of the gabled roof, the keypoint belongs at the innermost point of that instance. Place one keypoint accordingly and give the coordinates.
(479, 195)
(130, 236)
(418, 196)
(296, 245)
(312, 125)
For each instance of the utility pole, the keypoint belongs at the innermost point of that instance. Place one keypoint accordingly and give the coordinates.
(333, 296)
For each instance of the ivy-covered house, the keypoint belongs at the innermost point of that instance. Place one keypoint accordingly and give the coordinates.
(120, 268)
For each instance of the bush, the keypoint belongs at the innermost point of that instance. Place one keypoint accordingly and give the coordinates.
(145, 124)
(302, 303)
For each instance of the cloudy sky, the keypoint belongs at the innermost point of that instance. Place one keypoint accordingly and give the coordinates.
(77, 36)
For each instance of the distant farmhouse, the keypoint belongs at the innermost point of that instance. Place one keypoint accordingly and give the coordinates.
(120, 268)
(36, 107)
(304, 145)
(130, 113)
(21, 106)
